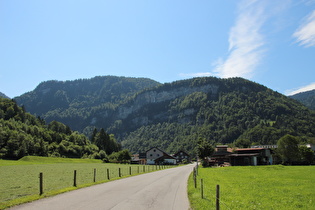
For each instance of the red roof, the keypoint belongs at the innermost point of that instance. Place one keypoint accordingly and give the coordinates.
(249, 149)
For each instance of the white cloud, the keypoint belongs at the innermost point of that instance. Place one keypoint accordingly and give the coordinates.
(301, 89)
(305, 34)
(245, 42)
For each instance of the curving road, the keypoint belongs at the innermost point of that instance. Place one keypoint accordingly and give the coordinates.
(163, 190)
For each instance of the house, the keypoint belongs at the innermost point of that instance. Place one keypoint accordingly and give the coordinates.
(165, 160)
(251, 156)
(157, 156)
(182, 155)
(221, 155)
(138, 159)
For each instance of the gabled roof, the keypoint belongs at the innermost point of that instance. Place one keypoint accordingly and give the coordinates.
(221, 153)
(244, 155)
(165, 156)
(177, 153)
(155, 148)
(249, 149)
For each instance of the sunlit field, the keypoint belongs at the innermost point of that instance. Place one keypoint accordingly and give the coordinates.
(255, 187)
(20, 179)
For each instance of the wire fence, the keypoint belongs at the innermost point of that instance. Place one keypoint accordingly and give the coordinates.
(214, 193)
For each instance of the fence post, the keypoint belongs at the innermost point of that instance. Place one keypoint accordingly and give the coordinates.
(195, 178)
(197, 167)
(119, 172)
(41, 183)
(201, 187)
(129, 170)
(138, 170)
(75, 178)
(108, 173)
(144, 168)
(218, 198)
(94, 179)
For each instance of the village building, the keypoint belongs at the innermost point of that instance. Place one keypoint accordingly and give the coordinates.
(251, 156)
(181, 156)
(157, 156)
(220, 155)
(224, 156)
(139, 159)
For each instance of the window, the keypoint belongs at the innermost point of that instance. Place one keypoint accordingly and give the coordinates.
(151, 155)
(154, 150)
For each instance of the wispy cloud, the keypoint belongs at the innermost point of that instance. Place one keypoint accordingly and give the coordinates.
(245, 42)
(300, 89)
(305, 34)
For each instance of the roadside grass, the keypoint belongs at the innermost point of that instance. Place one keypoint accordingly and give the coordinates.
(255, 187)
(20, 179)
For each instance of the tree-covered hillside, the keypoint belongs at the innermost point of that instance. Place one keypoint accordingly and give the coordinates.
(72, 102)
(176, 115)
(221, 111)
(23, 134)
(307, 98)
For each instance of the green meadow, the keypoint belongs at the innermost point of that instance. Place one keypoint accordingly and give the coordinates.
(20, 179)
(255, 187)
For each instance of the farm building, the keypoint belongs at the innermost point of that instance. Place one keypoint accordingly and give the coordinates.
(157, 156)
(139, 159)
(224, 155)
(251, 156)
(181, 155)
(221, 155)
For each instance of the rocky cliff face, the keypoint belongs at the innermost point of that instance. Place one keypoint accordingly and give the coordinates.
(156, 96)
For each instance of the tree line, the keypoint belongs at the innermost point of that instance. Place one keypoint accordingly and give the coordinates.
(23, 134)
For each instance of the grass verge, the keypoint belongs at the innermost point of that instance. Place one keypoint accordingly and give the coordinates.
(20, 179)
(255, 187)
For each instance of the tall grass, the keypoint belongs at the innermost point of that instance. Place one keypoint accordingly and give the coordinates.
(255, 187)
(20, 179)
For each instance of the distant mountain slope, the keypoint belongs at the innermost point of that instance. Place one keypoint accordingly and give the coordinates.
(3, 95)
(175, 115)
(71, 102)
(307, 98)
(220, 110)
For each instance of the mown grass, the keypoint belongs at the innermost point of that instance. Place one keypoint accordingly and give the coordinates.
(19, 180)
(255, 187)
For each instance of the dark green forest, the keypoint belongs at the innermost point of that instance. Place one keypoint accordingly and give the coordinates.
(174, 115)
(257, 115)
(75, 102)
(23, 134)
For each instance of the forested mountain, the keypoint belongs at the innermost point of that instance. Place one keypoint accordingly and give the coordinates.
(3, 95)
(72, 102)
(307, 98)
(24, 134)
(175, 115)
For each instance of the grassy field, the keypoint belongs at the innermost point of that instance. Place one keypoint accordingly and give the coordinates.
(255, 187)
(20, 179)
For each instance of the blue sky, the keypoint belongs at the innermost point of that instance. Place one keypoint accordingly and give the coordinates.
(269, 42)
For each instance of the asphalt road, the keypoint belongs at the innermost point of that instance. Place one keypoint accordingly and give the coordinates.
(163, 190)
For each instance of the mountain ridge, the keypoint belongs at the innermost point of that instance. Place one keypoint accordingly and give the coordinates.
(3, 95)
(175, 115)
(307, 98)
